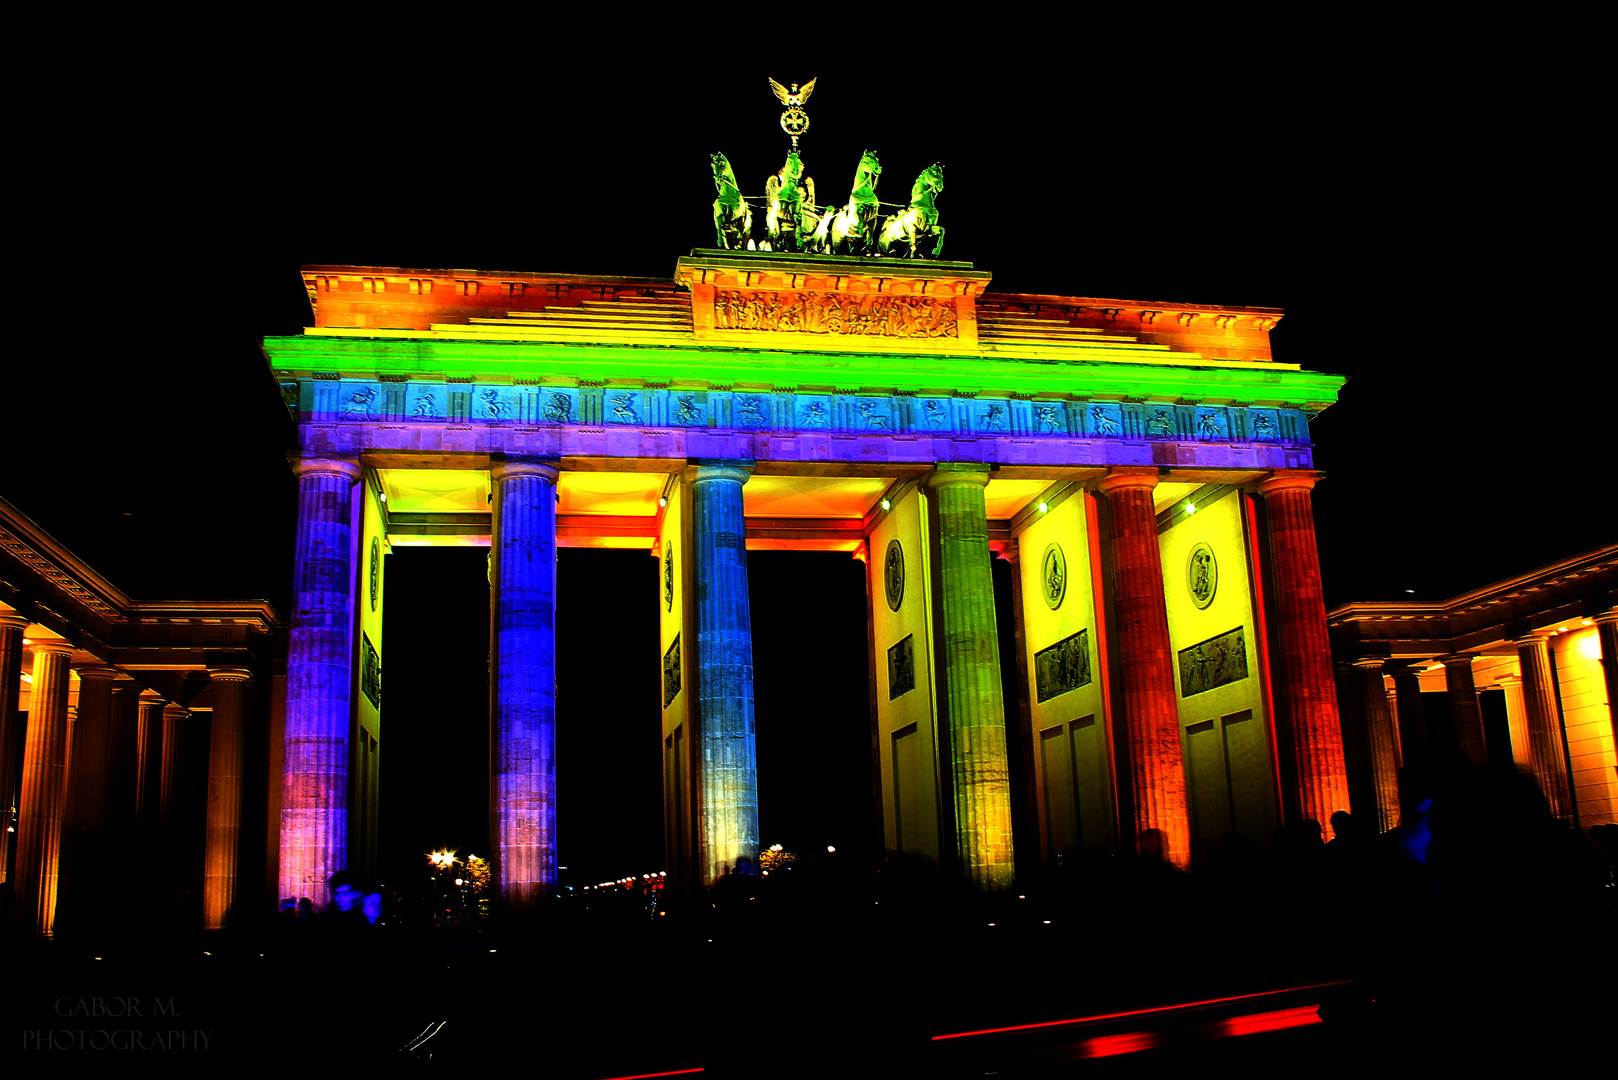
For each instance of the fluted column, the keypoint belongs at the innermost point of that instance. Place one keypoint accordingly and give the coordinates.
(728, 828)
(1463, 706)
(148, 763)
(1607, 634)
(1146, 663)
(1545, 755)
(320, 661)
(1516, 718)
(972, 691)
(1303, 676)
(524, 602)
(1382, 743)
(174, 718)
(232, 690)
(1411, 717)
(44, 789)
(11, 628)
(84, 846)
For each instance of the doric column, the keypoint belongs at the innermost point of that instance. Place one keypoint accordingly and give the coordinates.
(11, 628)
(89, 775)
(1516, 718)
(1407, 703)
(1303, 674)
(1545, 754)
(728, 828)
(148, 763)
(320, 660)
(1607, 634)
(1382, 743)
(524, 603)
(44, 788)
(174, 717)
(972, 692)
(1146, 663)
(227, 737)
(1463, 707)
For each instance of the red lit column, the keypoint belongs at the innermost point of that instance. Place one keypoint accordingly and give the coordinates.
(1463, 706)
(11, 628)
(1146, 663)
(320, 665)
(524, 611)
(44, 788)
(1382, 743)
(1545, 755)
(232, 689)
(1303, 675)
(148, 762)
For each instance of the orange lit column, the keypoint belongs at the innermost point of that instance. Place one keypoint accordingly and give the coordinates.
(174, 717)
(90, 775)
(226, 738)
(972, 692)
(523, 567)
(11, 628)
(1303, 676)
(1607, 633)
(148, 763)
(1411, 719)
(1146, 663)
(1545, 755)
(320, 665)
(1382, 743)
(44, 788)
(1463, 706)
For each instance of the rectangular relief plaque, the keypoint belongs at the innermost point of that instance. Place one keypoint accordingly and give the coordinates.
(902, 667)
(671, 671)
(370, 672)
(1212, 663)
(1062, 667)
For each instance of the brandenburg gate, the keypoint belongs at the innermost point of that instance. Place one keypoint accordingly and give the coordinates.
(1145, 466)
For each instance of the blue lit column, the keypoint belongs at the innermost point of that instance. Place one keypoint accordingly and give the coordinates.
(728, 830)
(523, 579)
(320, 666)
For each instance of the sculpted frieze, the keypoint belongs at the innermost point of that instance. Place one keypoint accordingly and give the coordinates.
(869, 314)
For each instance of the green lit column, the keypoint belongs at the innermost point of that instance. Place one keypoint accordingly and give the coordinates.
(975, 710)
(728, 828)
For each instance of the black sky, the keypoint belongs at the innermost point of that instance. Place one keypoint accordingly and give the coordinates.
(1417, 220)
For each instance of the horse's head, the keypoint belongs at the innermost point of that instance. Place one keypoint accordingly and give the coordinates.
(721, 171)
(932, 177)
(869, 163)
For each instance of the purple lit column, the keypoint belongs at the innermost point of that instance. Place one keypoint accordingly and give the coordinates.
(728, 748)
(44, 789)
(320, 661)
(11, 628)
(523, 580)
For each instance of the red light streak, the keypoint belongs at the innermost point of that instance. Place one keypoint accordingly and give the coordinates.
(644, 1076)
(1279, 1020)
(1139, 1012)
(1128, 1043)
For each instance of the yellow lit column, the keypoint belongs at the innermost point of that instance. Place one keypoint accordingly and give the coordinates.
(1607, 634)
(1546, 756)
(975, 710)
(44, 788)
(232, 689)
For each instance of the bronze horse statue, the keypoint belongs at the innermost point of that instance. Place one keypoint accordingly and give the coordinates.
(732, 217)
(914, 231)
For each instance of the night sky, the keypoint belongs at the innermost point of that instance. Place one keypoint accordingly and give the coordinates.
(1417, 240)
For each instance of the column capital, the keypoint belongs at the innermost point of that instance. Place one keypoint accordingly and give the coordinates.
(1456, 659)
(1534, 638)
(1370, 663)
(946, 473)
(347, 468)
(737, 472)
(152, 697)
(1605, 617)
(1289, 480)
(230, 674)
(1127, 476)
(10, 620)
(96, 671)
(52, 646)
(511, 468)
(172, 711)
(1508, 680)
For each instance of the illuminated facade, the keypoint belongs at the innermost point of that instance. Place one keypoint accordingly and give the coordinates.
(1519, 671)
(109, 710)
(1147, 468)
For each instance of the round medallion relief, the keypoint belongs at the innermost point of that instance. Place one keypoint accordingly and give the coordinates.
(893, 574)
(1202, 575)
(1053, 576)
(376, 571)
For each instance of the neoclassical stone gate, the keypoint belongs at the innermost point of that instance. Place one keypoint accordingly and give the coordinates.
(1147, 467)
